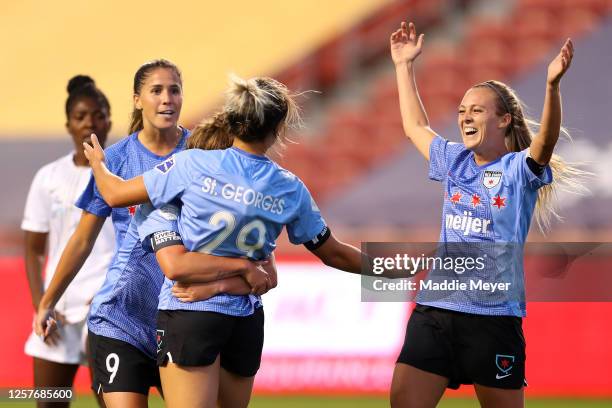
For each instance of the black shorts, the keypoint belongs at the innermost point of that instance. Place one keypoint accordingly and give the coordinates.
(466, 348)
(121, 367)
(190, 338)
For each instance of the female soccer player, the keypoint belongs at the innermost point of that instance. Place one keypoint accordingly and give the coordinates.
(122, 318)
(234, 202)
(492, 182)
(50, 216)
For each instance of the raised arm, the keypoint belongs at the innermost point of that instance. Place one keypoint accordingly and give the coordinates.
(75, 254)
(543, 144)
(116, 191)
(405, 48)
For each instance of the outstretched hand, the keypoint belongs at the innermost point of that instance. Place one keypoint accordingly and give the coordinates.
(94, 152)
(561, 63)
(405, 45)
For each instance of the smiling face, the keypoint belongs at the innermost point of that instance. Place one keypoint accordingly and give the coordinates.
(482, 129)
(160, 99)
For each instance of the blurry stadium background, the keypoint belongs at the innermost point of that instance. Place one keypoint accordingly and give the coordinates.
(367, 178)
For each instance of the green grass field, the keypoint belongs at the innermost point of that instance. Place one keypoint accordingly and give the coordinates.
(345, 402)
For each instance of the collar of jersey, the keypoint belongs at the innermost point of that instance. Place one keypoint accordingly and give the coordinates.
(179, 146)
(250, 155)
(477, 167)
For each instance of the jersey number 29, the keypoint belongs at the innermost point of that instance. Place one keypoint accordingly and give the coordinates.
(230, 225)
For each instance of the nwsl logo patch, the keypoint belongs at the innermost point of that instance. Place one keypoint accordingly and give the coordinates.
(491, 178)
(165, 166)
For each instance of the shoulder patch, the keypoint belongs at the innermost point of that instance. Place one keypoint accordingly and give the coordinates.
(166, 165)
(169, 212)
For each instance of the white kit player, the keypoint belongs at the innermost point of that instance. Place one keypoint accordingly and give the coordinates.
(50, 218)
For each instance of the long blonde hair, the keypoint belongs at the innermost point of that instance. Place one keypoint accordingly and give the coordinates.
(519, 134)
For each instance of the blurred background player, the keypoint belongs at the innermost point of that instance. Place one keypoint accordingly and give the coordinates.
(248, 199)
(497, 176)
(51, 217)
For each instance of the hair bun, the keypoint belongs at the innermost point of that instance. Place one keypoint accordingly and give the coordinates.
(80, 81)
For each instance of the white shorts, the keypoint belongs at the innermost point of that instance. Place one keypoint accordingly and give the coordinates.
(70, 348)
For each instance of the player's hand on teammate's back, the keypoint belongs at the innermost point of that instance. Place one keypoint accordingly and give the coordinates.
(560, 64)
(94, 152)
(405, 45)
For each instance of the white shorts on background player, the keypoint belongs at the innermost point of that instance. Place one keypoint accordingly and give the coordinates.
(50, 209)
(71, 348)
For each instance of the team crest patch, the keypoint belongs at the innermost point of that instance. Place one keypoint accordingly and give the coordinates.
(163, 167)
(504, 364)
(491, 178)
(160, 339)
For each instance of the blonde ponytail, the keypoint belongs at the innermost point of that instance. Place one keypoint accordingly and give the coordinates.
(519, 134)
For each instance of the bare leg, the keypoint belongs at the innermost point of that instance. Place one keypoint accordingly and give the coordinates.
(415, 388)
(195, 387)
(125, 399)
(50, 374)
(490, 397)
(234, 390)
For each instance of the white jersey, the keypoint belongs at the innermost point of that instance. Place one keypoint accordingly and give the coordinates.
(50, 208)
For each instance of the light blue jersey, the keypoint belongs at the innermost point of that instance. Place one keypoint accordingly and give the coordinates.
(127, 158)
(126, 305)
(488, 209)
(233, 204)
(125, 308)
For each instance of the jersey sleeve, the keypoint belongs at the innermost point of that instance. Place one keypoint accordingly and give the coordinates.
(525, 176)
(159, 224)
(441, 153)
(308, 224)
(37, 212)
(169, 179)
(91, 200)
(149, 219)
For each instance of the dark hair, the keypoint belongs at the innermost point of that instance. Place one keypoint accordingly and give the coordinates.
(140, 77)
(83, 86)
(211, 134)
